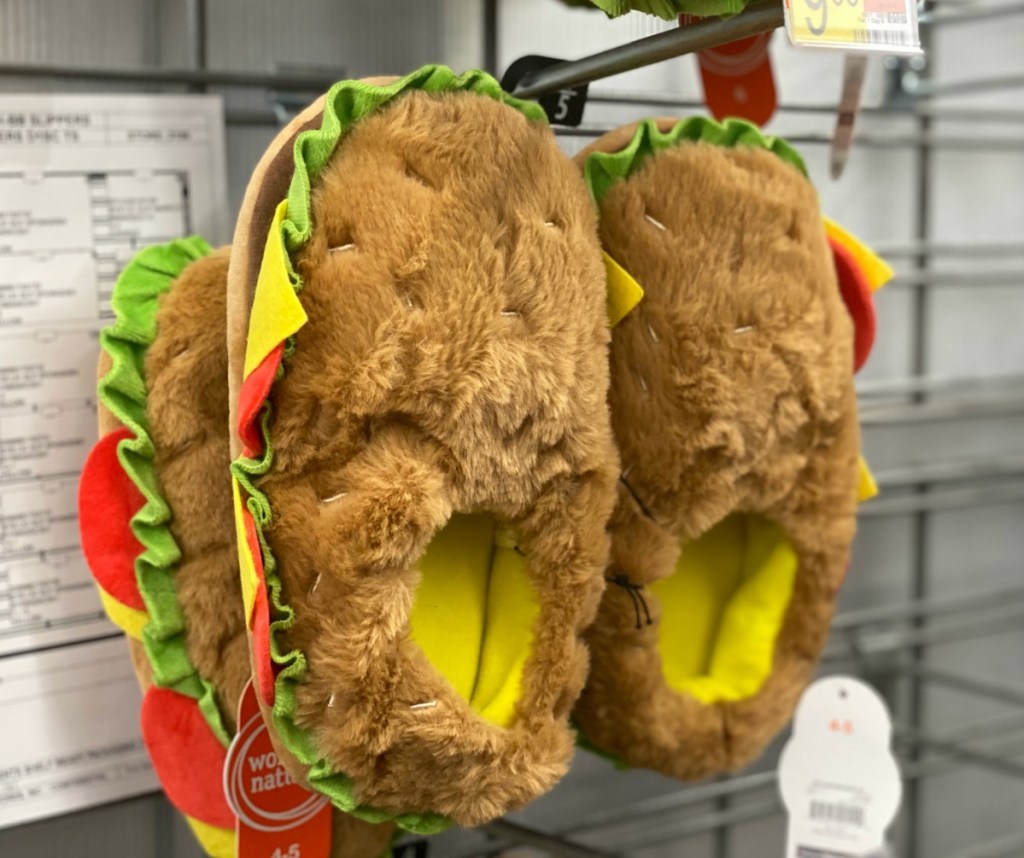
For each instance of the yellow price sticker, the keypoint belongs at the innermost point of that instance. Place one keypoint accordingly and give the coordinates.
(884, 26)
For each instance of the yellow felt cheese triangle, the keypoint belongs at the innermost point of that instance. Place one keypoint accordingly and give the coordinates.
(624, 293)
(867, 488)
(875, 269)
(217, 842)
(276, 311)
(250, 581)
(129, 620)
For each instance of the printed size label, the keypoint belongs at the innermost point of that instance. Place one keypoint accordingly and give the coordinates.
(883, 26)
(837, 775)
(277, 818)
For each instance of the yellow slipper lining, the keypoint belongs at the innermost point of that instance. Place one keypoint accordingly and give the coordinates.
(474, 613)
(723, 607)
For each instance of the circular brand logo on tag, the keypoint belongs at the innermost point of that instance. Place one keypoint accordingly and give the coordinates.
(259, 789)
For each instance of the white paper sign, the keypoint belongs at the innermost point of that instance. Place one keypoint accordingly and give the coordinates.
(837, 775)
(85, 182)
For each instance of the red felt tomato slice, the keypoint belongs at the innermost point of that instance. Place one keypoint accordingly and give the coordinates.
(261, 647)
(254, 392)
(856, 292)
(107, 500)
(187, 756)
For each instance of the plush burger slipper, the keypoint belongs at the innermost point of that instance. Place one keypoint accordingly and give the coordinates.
(734, 410)
(157, 530)
(425, 467)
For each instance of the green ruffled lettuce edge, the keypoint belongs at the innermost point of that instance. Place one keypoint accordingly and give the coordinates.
(603, 169)
(345, 104)
(669, 10)
(135, 300)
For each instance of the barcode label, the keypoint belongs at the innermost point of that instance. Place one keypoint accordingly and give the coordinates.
(897, 37)
(848, 814)
(880, 26)
(881, 19)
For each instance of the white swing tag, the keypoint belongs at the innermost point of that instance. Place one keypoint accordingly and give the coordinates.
(837, 775)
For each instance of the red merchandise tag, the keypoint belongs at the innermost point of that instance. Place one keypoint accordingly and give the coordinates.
(277, 818)
(737, 77)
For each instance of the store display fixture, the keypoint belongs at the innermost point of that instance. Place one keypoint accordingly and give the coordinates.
(886, 642)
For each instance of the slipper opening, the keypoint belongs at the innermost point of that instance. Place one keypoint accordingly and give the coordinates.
(723, 607)
(474, 613)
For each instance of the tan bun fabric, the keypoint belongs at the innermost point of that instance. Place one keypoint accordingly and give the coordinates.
(731, 392)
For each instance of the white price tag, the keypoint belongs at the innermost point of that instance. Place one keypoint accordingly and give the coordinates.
(883, 26)
(837, 775)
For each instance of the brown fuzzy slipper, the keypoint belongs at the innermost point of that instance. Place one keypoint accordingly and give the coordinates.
(158, 532)
(425, 462)
(734, 410)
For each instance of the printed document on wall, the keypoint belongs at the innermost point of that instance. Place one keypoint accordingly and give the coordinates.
(85, 182)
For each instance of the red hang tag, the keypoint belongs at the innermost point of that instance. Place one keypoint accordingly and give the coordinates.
(277, 818)
(738, 78)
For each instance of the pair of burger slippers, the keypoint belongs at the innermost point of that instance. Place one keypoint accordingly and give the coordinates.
(464, 452)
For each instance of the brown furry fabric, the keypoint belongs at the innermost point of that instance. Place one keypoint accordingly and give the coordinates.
(455, 359)
(187, 408)
(267, 186)
(711, 419)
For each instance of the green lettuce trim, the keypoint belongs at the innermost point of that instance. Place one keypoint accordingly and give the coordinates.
(135, 300)
(345, 104)
(604, 169)
(669, 10)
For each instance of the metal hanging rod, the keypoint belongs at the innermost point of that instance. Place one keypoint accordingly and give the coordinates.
(1006, 465)
(888, 641)
(949, 278)
(1002, 692)
(550, 843)
(906, 141)
(678, 829)
(290, 82)
(1004, 847)
(641, 99)
(759, 17)
(927, 89)
(982, 729)
(897, 110)
(938, 384)
(927, 608)
(998, 764)
(974, 13)
(660, 804)
(942, 248)
(966, 114)
(944, 500)
(964, 408)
